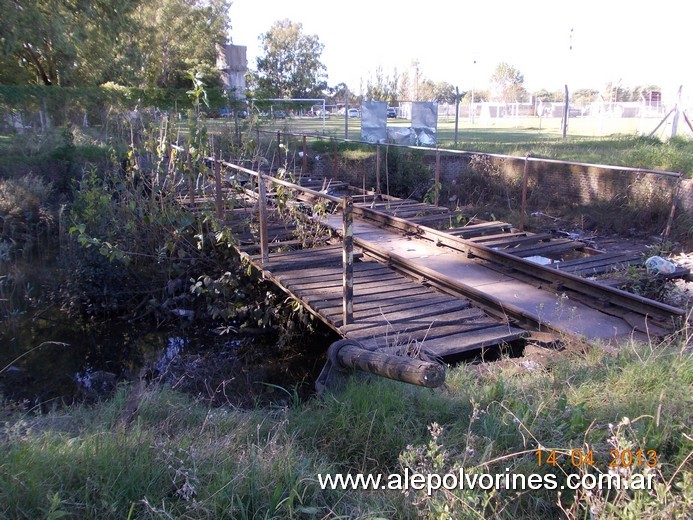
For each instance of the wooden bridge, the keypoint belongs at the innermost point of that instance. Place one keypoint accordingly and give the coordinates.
(406, 296)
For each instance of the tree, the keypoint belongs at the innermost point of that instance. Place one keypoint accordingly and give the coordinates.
(291, 66)
(177, 39)
(382, 87)
(444, 92)
(91, 42)
(49, 42)
(507, 83)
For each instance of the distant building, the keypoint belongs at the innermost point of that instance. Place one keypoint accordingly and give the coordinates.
(233, 64)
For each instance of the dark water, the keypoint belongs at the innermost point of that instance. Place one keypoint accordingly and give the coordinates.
(49, 360)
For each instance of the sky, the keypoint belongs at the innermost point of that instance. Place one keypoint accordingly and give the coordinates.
(582, 44)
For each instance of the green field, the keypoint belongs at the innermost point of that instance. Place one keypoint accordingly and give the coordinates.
(612, 141)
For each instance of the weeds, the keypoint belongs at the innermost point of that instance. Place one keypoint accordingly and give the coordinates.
(184, 459)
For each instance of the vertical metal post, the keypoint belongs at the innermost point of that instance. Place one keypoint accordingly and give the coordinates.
(279, 148)
(457, 111)
(305, 156)
(262, 208)
(523, 209)
(335, 159)
(346, 113)
(436, 187)
(377, 168)
(191, 183)
(566, 112)
(218, 192)
(672, 211)
(348, 261)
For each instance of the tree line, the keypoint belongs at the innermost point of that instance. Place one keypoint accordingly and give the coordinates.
(135, 43)
(163, 43)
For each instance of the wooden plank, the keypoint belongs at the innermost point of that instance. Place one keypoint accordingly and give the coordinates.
(372, 307)
(373, 290)
(421, 332)
(315, 251)
(414, 318)
(480, 229)
(334, 275)
(599, 259)
(484, 239)
(420, 211)
(508, 242)
(361, 286)
(327, 301)
(361, 269)
(464, 342)
(554, 247)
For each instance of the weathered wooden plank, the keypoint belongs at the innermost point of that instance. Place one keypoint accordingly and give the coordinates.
(464, 342)
(441, 314)
(599, 259)
(509, 242)
(554, 247)
(485, 239)
(313, 252)
(372, 291)
(361, 268)
(334, 276)
(480, 229)
(319, 302)
(371, 307)
(405, 333)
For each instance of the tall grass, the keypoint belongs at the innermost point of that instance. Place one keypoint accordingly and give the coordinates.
(182, 458)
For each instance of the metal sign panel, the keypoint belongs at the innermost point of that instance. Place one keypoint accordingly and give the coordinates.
(424, 121)
(374, 121)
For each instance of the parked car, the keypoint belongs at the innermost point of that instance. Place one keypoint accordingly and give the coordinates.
(391, 112)
(354, 112)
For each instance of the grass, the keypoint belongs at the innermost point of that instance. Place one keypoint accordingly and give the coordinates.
(182, 458)
(617, 142)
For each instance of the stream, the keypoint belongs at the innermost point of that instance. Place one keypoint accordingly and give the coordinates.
(48, 361)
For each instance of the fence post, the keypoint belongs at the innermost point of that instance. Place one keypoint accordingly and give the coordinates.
(377, 168)
(348, 261)
(523, 209)
(218, 192)
(262, 208)
(279, 148)
(191, 183)
(335, 159)
(305, 156)
(436, 186)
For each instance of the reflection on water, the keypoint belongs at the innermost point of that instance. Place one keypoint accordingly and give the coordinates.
(52, 361)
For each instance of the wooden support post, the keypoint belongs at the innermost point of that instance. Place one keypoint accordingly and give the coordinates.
(279, 148)
(218, 190)
(348, 261)
(305, 156)
(566, 113)
(335, 159)
(377, 169)
(191, 183)
(262, 205)
(350, 354)
(523, 209)
(436, 181)
(672, 211)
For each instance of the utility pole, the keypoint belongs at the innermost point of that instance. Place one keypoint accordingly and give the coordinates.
(457, 111)
(346, 113)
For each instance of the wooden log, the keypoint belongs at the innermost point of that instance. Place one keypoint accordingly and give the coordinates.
(350, 354)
